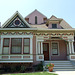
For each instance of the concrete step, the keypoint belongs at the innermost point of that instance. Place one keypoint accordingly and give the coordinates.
(64, 67)
(62, 70)
(61, 65)
(56, 61)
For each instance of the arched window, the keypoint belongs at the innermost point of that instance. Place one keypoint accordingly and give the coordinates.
(35, 19)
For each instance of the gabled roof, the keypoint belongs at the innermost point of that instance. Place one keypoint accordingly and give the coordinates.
(40, 26)
(53, 18)
(34, 12)
(63, 23)
(12, 17)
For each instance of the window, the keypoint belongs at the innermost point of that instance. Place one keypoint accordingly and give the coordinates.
(16, 46)
(54, 48)
(26, 45)
(54, 25)
(6, 46)
(35, 19)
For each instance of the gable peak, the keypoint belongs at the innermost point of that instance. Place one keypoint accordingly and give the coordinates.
(15, 16)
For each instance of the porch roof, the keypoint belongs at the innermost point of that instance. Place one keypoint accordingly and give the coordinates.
(37, 29)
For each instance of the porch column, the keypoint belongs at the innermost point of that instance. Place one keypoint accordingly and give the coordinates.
(38, 47)
(72, 47)
(41, 47)
(69, 47)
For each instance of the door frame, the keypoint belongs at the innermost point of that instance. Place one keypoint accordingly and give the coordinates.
(49, 49)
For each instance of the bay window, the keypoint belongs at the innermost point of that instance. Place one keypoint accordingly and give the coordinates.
(16, 46)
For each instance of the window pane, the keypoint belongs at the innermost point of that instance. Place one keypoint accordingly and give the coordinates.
(26, 41)
(6, 42)
(54, 51)
(54, 45)
(5, 50)
(54, 48)
(26, 49)
(54, 25)
(16, 49)
(16, 42)
(35, 19)
(16, 45)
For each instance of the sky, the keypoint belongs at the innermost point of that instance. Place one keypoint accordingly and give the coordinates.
(60, 8)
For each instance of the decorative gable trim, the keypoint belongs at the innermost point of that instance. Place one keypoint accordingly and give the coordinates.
(5, 25)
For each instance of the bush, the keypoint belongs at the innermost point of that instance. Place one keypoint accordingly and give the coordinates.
(39, 67)
(13, 68)
(23, 68)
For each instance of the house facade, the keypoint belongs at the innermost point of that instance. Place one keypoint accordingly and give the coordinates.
(35, 38)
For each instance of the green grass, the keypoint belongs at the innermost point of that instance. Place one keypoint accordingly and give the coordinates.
(36, 73)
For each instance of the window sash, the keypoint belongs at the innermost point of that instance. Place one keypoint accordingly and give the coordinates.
(54, 25)
(6, 42)
(16, 45)
(5, 50)
(54, 48)
(6, 45)
(26, 49)
(26, 46)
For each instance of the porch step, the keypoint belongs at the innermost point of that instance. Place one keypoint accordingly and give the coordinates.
(61, 65)
(62, 70)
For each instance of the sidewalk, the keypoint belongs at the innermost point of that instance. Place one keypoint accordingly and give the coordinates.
(64, 72)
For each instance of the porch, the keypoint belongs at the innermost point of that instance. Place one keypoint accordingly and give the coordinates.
(63, 48)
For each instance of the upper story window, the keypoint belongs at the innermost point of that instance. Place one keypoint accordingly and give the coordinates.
(54, 25)
(35, 19)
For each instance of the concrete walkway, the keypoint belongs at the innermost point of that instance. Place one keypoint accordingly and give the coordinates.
(64, 72)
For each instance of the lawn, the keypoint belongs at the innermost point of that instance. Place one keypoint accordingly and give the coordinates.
(36, 73)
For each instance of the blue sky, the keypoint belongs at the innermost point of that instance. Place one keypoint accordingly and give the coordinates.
(60, 8)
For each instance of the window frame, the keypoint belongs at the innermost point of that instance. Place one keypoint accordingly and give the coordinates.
(5, 46)
(57, 50)
(55, 26)
(11, 46)
(26, 45)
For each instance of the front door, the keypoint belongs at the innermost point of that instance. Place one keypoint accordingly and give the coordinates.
(46, 51)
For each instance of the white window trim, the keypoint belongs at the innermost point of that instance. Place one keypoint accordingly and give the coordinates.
(58, 48)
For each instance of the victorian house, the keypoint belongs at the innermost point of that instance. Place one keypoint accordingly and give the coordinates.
(36, 38)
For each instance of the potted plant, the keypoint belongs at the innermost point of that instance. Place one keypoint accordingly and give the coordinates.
(50, 67)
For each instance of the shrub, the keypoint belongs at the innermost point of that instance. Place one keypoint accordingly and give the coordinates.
(23, 68)
(39, 67)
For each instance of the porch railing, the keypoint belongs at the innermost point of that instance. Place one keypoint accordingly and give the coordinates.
(16, 58)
